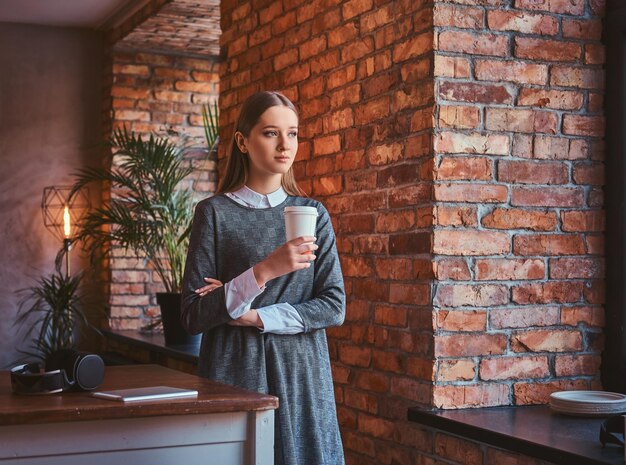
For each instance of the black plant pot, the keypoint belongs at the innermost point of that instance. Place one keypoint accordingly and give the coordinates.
(173, 329)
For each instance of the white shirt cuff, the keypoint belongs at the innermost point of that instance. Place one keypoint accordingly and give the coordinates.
(240, 292)
(281, 318)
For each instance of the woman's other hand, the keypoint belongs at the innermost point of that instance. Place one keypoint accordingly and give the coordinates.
(297, 254)
(250, 318)
(210, 287)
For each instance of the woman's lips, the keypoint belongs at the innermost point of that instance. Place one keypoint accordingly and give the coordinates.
(281, 159)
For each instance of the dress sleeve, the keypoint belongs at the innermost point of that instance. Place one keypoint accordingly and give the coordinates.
(328, 306)
(200, 314)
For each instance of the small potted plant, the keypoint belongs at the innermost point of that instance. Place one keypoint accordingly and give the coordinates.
(53, 309)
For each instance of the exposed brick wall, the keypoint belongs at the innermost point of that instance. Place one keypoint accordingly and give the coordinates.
(180, 27)
(518, 239)
(160, 94)
(458, 147)
(360, 73)
(148, 10)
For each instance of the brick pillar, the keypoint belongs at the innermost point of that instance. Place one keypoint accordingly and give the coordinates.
(517, 238)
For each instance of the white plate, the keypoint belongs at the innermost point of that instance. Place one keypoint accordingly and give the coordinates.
(577, 413)
(577, 408)
(588, 397)
(588, 403)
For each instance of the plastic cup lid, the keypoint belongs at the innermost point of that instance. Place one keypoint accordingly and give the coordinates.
(303, 209)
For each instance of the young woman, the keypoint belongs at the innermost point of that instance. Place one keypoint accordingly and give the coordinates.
(264, 328)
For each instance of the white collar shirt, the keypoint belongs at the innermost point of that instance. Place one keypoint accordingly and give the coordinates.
(249, 198)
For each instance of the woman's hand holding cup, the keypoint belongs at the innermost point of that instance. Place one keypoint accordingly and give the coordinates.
(296, 254)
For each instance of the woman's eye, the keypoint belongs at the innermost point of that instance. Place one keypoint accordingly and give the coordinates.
(270, 133)
(293, 134)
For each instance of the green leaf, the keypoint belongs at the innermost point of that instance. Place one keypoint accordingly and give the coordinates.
(210, 119)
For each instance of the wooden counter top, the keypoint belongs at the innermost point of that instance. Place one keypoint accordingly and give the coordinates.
(532, 430)
(76, 406)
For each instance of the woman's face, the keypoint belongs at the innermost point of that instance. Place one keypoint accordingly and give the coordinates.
(272, 143)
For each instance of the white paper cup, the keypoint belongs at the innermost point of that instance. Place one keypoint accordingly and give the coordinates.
(300, 221)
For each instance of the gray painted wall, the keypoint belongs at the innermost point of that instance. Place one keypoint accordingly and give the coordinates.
(50, 113)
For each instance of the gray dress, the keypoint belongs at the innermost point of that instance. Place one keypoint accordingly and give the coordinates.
(228, 238)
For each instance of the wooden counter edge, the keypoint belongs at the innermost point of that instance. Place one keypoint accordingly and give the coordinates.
(213, 398)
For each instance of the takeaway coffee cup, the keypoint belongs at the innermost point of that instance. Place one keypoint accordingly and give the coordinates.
(300, 221)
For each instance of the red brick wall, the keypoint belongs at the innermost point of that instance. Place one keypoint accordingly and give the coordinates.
(361, 74)
(458, 147)
(160, 94)
(518, 240)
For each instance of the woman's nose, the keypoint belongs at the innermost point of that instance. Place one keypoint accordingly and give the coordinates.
(283, 143)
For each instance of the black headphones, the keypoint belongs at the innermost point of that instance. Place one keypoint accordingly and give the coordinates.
(66, 369)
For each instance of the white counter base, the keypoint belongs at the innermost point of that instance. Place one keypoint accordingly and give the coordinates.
(238, 438)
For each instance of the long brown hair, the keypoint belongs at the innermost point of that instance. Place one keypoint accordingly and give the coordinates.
(238, 165)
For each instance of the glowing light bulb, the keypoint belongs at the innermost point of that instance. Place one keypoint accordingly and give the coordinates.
(66, 221)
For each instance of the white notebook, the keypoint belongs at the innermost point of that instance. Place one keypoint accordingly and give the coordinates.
(145, 393)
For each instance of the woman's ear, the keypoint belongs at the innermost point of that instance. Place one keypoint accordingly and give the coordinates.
(240, 140)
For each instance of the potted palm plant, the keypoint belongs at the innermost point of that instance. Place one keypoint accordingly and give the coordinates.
(149, 214)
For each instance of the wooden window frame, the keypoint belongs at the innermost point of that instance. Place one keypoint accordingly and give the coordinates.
(614, 357)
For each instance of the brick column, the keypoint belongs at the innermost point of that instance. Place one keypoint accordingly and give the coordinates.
(518, 238)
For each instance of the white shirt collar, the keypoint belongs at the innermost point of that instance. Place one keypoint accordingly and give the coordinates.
(256, 200)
